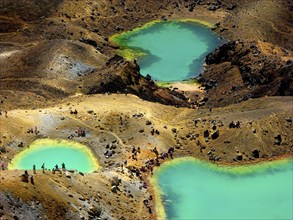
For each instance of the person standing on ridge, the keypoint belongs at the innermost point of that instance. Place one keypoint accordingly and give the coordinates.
(43, 167)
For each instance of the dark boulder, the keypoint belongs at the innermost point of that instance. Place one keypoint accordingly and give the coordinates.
(255, 153)
(239, 157)
(289, 119)
(215, 134)
(89, 42)
(278, 139)
(206, 133)
(231, 6)
(148, 123)
(234, 124)
(174, 130)
(24, 178)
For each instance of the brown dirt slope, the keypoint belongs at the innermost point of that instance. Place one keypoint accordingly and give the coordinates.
(119, 122)
(55, 57)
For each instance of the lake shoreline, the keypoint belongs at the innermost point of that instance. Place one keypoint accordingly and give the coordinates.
(41, 144)
(244, 168)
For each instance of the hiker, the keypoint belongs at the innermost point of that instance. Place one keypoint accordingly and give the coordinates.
(63, 166)
(36, 130)
(32, 180)
(26, 173)
(2, 166)
(133, 150)
(34, 169)
(151, 168)
(146, 202)
(80, 132)
(57, 168)
(53, 171)
(150, 210)
(237, 124)
(137, 67)
(73, 112)
(43, 167)
(156, 151)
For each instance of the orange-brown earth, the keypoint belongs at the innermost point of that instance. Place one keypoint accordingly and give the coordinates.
(55, 55)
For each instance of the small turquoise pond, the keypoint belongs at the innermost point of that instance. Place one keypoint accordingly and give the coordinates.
(170, 50)
(52, 152)
(191, 189)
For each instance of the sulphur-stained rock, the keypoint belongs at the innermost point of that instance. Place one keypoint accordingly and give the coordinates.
(55, 56)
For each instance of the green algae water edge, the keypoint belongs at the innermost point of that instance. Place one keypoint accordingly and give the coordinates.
(52, 152)
(168, 50)
(191, 189)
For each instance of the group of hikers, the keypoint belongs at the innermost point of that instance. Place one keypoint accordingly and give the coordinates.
(25, 177)
(79, 132)
(148, 167)
(146, 202)
(150, 163)
(54, 169)
(33, 131)
(5, 113)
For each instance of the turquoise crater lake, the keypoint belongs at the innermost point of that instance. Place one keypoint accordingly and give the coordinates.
(169, 50)
(191, 189)
(52, 152)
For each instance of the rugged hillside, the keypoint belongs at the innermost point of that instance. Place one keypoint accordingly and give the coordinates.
(258, 60)
(240, 70)
(55, 57)
(260, 131)
(55, 49)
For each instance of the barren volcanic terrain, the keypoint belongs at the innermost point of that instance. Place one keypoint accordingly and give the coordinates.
(56, 57)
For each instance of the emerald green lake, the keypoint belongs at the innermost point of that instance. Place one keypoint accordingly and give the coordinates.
(170, 50)
(191, 189)
(52, 152)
